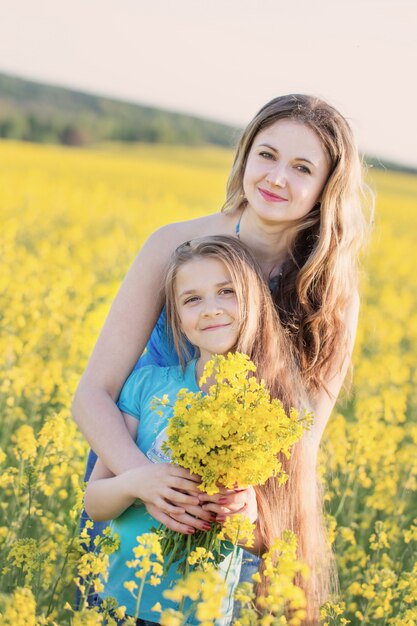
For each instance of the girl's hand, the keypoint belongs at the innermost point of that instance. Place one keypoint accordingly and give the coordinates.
(170, 494)
(230, 502)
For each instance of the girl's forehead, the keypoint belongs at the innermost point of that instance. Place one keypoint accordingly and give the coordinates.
(200, 270)
(211, 261)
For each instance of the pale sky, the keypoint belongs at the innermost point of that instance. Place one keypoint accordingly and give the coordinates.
(223, 59)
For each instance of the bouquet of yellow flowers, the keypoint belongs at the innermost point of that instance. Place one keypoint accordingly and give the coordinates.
(230, 436)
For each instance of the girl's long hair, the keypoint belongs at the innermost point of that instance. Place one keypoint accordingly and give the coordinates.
(319, 274)
(297, 505)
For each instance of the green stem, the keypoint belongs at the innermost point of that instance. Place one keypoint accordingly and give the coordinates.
(172, 557)
(61, 573)
(343, 498)
(232, 558)
(187, 567)
(139, 597)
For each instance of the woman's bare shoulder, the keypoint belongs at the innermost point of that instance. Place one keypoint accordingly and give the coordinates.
(176, 233)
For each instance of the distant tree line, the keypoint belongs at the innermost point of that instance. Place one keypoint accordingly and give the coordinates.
(31, 128)
(39, 129)
(31, 111)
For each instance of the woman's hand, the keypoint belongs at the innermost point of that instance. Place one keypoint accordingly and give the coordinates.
(187, 521)
(211, 509)
(231, 502)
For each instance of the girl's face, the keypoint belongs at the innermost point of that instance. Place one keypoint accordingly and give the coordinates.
(285, 173)
(207, 306)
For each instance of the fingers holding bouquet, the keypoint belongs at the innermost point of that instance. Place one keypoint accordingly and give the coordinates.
(185, 521)
(171, 496)
(230, 502)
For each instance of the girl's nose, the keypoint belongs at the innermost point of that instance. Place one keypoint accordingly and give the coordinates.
(212, 307)
(277, 176)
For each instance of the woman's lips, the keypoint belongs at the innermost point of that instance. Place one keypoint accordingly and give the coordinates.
(271, 197)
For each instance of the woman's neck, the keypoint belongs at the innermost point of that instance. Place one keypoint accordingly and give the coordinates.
(269, 243)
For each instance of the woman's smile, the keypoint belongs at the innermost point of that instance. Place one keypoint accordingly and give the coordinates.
(271, 197)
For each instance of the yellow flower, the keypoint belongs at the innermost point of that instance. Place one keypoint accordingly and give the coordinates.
(199, 555)
(26, 444)
(239, 530)
(171, 618)
(130, 585)
(233, 434)
(206, 589)
(19, 609)
(244, 593)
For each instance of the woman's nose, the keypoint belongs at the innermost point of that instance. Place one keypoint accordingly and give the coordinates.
(277, 175)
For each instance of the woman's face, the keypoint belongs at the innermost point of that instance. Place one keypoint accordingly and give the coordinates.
(285, 173)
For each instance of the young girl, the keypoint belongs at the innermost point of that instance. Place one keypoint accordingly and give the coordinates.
(216, 302)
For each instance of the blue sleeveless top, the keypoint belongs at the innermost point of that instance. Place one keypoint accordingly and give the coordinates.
(160, 348)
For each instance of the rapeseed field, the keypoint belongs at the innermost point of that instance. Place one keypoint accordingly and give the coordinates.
(71, 223)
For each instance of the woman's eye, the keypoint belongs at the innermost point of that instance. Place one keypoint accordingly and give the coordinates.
(303, 169)
(191, 300)
(266, 155)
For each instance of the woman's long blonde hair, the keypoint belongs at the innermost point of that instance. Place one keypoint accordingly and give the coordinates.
(297, 505)
(319, 274)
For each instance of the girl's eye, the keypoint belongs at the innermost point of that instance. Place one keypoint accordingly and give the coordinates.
(304, 169)
(227, 291)
(191, 300)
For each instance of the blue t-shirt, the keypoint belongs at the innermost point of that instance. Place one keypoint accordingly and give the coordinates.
(135, 399)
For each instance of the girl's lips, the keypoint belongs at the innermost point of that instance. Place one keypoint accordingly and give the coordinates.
(215, 326)
(271, 197)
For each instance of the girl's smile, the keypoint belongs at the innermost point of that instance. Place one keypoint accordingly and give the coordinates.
(207, 306)
(285, 173)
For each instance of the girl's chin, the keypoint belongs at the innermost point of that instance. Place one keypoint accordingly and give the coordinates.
(217, 350)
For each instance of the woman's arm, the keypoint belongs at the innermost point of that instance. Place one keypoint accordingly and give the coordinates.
(125, 334)
(324, 402)
(107, 496)
(121, 342)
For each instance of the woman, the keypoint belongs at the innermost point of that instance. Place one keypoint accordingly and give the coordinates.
(294, 197)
